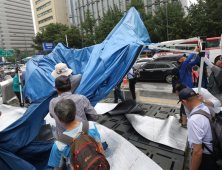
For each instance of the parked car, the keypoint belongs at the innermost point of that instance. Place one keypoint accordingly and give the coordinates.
(170, 57)
(157, 71)
(143, 61)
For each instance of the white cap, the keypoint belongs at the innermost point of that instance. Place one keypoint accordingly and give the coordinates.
(61, 69)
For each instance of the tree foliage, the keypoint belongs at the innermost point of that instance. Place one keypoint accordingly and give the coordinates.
(205, 18)
(109, 21)
(178, 26)
(88, 28)
(202, 18)
(56, 33)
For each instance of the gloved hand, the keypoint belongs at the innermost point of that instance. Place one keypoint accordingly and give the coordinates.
(20, 83)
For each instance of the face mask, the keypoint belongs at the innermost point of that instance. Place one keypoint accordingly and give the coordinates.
(20, 74)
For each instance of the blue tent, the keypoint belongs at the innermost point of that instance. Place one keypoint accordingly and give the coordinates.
(102, 66)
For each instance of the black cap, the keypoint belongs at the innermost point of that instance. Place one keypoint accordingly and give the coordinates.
(61, 81)
(180, 56)
(186, 93)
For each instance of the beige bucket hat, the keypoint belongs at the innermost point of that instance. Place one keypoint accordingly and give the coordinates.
(61, 69)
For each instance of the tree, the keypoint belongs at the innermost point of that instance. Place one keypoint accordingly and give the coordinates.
(88, 28)
(109, 21)
(178, 25)
(205, 18)
(139, 5)
(56, 33)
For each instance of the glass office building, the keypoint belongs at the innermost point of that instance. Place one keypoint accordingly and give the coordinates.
(16, 25)
(78, 8)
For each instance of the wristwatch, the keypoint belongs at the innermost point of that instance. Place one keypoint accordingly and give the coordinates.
(204, 100)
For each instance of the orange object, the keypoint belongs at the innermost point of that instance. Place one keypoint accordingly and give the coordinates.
(146, 54)
(125, 81)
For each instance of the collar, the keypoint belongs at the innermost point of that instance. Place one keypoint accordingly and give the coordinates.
(199, 107)
(65, 94)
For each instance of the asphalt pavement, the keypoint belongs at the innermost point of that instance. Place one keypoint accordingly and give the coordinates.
(157, 93)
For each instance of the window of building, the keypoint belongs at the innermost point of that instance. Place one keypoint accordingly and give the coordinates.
(104, 6)
(109, 3)
(157, 7)
(115, 2)
(46, 19)
(149, 2)
(149, 10)
(41, 28)
(99, 9)
(121, 5)
(44, 13)
(94, 11)
(37, 2)
(43, 6)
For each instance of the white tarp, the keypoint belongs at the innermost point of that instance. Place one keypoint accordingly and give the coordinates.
(102, 108)
(167, 132)
(9, 115)
(122, 155)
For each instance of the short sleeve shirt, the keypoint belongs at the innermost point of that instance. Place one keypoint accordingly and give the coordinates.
(199, 130)
(60, 150)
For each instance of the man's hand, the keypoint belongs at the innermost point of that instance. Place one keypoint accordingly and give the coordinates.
(197, 48)
(196, 157)
(0, 113)
(58, 168)
(200, 97)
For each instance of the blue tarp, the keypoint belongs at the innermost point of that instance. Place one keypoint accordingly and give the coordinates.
(102, 66)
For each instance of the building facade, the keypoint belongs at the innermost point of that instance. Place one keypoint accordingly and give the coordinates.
(78, 8)
(16, 25)
(50, 11)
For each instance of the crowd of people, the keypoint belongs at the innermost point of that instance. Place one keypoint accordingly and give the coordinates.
(73, 114)
(198, 110)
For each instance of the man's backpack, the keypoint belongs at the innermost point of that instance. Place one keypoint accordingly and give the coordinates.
(85, 152)
(216, 129)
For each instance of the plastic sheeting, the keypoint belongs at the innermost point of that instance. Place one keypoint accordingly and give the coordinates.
(167, 132)
(122, 155)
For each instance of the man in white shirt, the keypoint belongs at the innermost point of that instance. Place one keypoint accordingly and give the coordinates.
(205, 97)
(199, 131)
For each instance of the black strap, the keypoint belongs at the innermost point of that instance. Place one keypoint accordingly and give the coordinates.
(65, 139)
(204, 113)
(85, 127)
(69, 140)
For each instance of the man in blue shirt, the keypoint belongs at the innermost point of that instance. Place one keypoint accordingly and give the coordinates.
(186, 68)
(65, 109)
(199, 131)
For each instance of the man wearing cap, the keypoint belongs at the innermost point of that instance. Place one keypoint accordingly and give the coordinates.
(84, 110)
(205, 97)
(199, 131)
(186, 68)
(215, 78)
(62, 69)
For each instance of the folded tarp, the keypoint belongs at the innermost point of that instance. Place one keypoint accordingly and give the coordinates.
(102, 67)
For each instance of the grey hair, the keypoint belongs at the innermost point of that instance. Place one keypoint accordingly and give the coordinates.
(65, 109)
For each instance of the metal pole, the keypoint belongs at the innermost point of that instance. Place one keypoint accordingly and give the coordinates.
(20, 87)
(202, 55)
(167, 23)
(25, 47)
(66, 41)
